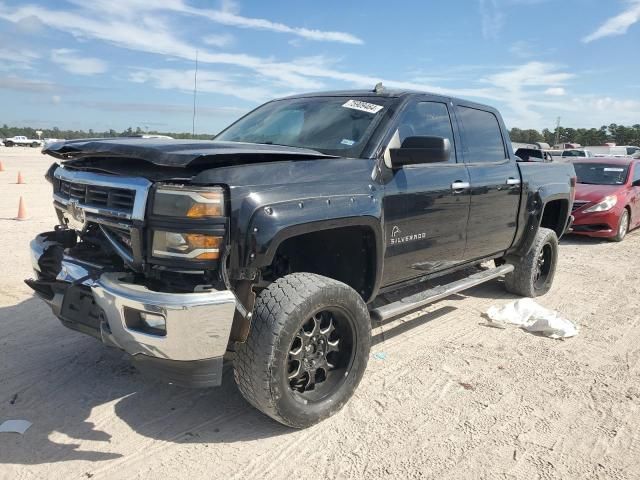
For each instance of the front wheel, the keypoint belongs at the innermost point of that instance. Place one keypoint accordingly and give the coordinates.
(623, 226)
(533, 274)
(307, 349)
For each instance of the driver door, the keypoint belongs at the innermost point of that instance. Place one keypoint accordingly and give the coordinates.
(426, 206)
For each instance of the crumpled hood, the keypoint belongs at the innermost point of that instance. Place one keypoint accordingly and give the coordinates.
(177, 153)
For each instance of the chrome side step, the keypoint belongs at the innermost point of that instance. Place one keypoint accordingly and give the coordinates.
(419, 300)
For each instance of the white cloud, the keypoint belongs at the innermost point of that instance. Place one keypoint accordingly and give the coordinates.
(519, 88)
(227, 15)
(522, 49)
(555, 91)
(492, 18)
(17, 59)
(218, 39)
(230, 6)
(208, 81)
(72, 63)
(617, 25)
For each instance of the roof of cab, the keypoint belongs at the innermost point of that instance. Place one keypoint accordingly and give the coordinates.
(387, 93)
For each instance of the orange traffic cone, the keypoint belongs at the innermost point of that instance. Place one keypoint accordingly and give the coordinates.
(22, 210)
(20, 178)
(1, 166)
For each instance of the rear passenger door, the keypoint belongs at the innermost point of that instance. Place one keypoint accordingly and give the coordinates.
(495, 182)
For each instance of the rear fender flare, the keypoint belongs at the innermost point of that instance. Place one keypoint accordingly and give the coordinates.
(535, 205)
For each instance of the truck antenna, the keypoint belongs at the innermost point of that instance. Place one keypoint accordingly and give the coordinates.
(195, 91)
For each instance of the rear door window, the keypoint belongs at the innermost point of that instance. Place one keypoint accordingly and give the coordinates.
(482, 137)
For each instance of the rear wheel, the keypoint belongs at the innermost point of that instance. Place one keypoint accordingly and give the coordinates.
(533, 274)
(623, 226)
(307, 349)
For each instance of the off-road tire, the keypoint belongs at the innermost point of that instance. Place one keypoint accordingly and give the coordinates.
(261, 363)
(524, 280)
(622, 229)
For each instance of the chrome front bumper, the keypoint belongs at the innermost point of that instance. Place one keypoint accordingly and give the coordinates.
(198, 325)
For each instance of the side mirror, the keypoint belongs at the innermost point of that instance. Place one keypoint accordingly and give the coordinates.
(418, 150)
(636, 183)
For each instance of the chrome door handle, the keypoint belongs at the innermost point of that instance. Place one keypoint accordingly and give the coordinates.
(460, 186)
(513, 181)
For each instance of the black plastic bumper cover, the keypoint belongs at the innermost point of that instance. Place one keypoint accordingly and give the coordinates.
(193, 374)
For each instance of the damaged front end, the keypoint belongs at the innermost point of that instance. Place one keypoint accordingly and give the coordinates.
(146, 283)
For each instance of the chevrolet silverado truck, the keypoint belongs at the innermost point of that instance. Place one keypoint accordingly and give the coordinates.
(268, 245)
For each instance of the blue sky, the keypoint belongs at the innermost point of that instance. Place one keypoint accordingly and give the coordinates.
(117, 63)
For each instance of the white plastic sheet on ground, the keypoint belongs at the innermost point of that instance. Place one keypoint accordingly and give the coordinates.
(532, 317)
(15, 426)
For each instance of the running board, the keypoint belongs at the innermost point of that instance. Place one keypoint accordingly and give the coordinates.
(419, 300)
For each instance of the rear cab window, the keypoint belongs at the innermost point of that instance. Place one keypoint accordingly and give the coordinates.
(482, 140)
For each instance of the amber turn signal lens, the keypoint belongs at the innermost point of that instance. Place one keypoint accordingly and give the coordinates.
(198, 240)
(187, 246)
(205, 210)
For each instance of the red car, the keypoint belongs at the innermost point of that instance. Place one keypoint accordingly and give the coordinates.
(607, 203)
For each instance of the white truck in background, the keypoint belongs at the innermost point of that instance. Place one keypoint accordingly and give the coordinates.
(614, 150)
(22, 141)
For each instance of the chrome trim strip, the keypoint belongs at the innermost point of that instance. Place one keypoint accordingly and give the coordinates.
(191, 254)
(140, 185)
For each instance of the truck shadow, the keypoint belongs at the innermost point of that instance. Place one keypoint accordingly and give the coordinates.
(581, 240)
(66, 383)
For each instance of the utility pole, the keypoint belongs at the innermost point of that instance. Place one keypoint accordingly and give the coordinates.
(558, 131)
(195, 91)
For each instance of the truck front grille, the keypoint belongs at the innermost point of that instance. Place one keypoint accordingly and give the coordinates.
(120, 199)
(115, 203)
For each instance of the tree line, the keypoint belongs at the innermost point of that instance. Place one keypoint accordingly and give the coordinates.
(55, 132)
(619, 134)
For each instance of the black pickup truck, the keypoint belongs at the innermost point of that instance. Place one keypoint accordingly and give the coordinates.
(268, 245)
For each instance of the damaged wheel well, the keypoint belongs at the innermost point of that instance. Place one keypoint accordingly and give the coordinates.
(346, 254)
(554, 215)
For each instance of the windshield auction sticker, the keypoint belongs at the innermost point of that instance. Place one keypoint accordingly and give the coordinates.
(363, 106)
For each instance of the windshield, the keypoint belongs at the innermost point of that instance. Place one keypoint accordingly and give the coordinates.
(332, 125)
(601, 173)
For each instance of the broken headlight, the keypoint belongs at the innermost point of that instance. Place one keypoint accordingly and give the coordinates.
(188, 202)
(186, 246)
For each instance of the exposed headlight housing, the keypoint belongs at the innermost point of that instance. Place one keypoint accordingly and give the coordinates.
(189, 202)
(607, 203)
(186, 246)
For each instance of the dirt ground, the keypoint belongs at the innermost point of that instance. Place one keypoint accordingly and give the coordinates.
(444, 396)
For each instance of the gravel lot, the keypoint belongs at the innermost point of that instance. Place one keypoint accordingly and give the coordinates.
(444, 396)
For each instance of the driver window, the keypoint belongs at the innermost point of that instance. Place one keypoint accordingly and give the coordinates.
(423, 119)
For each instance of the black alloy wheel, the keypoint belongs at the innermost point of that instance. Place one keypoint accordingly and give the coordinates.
(321, 354)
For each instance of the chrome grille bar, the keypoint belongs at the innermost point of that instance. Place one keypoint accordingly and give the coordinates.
(110, 195)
